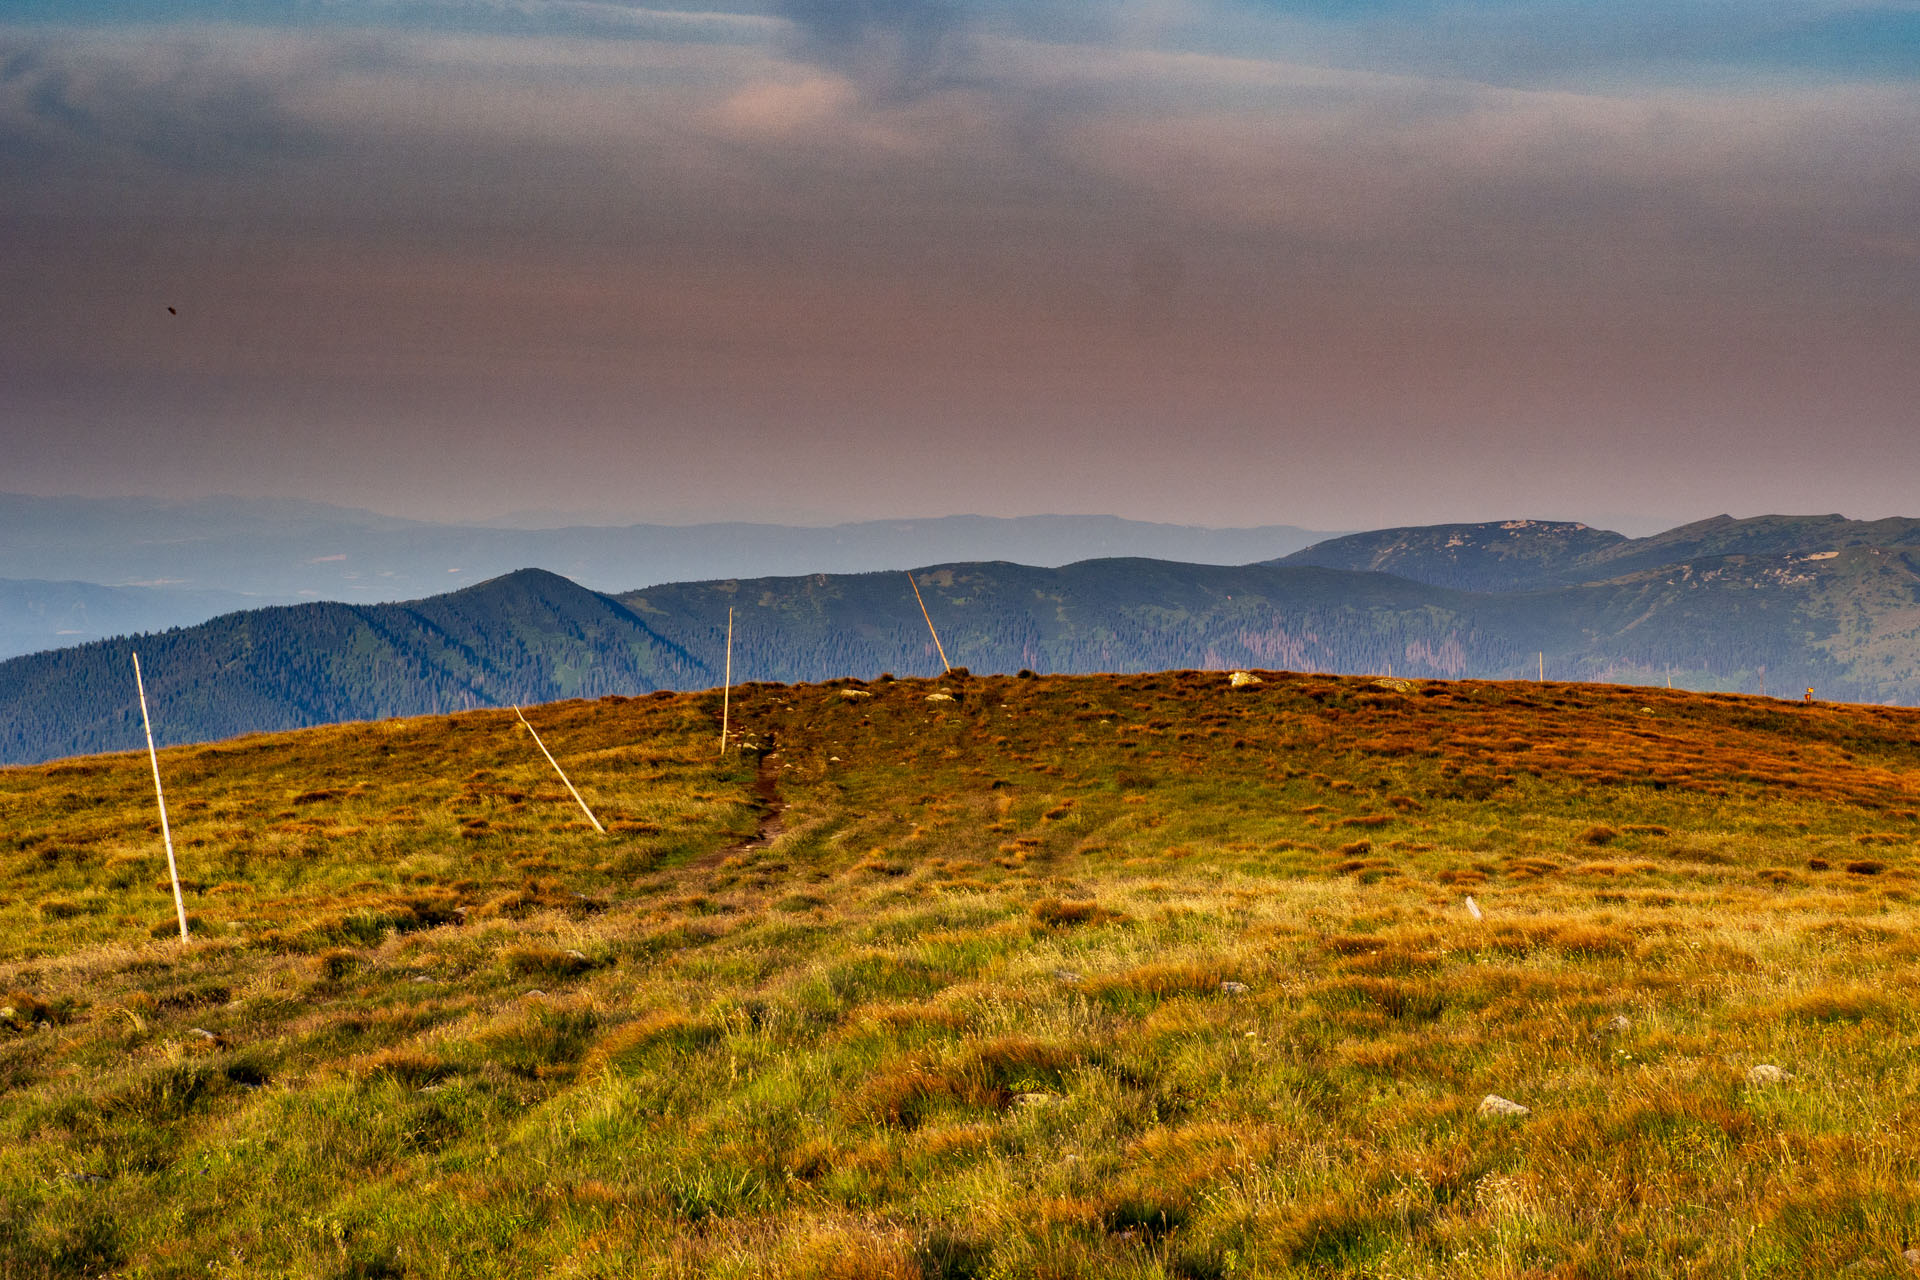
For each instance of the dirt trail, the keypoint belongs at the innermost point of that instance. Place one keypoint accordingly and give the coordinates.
(766, 796)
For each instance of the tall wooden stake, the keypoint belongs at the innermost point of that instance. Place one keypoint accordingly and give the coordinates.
(166, 832)
(948, 666)
(1543, 666)
(726, 691)
(557, 769)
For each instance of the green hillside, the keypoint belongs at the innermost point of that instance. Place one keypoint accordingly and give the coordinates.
(1131, 976)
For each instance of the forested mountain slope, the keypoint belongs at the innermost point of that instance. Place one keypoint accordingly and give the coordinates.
(1846, 622)
(528, 637)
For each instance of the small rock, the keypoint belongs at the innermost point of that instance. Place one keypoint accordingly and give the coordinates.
(939, 697)
(1913, 1256)
(1473, 908)
(575, 955)
(1766, 1073)
(1241, 679)
(1235, 988)
(1032, 1099)
(85, 1179)
(202, 1033)
(421, 977)
(430, 1088)
(534, 993)
(43, 1025)
(1495, 1105)
(854, 695)
(1618, 1025)
(1068, 976)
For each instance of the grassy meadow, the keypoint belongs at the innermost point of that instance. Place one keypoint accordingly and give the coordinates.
(1103, 976)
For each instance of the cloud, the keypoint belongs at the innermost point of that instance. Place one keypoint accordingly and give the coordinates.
(895, 50)
(881, 225)
(187, 105)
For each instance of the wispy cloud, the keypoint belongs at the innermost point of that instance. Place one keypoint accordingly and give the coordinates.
(423, 223)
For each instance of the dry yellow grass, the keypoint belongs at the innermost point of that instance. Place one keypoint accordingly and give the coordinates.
(1066, 977)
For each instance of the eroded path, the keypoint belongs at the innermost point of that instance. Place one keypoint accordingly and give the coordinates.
(772, 821)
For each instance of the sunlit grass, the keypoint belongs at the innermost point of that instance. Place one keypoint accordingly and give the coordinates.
(1091, 976)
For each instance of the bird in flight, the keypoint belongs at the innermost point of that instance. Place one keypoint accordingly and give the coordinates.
(172, 312)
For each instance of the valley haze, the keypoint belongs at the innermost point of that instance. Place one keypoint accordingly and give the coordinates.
(75, 569)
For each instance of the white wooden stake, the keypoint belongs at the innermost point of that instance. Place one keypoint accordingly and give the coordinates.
(929, 617)
(557, 769)
(166, 832)
(726, 691)
(1543, 666)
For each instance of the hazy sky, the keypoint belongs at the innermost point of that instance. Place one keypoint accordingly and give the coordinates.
(1341, 264)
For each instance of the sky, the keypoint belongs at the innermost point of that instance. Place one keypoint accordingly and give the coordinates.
(1340, 264)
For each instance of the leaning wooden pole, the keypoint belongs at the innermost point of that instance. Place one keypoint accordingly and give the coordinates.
(166, 832)
(726, 690)
(945, 665)
(557, 769)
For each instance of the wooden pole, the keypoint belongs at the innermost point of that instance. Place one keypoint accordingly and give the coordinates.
(557, 769)
(166, 832)
(726, 692)
(948, 666)
(1543, 666)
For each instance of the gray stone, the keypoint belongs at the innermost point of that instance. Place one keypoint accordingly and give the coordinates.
(1618, 1025)
(1493, 1105)
(1766, 1073)
(1235, 988)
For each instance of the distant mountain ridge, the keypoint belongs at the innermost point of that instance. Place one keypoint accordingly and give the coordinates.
(1842, 618)
(36, 615)
(294, 550)
(1507, 555)
(1532, 555)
